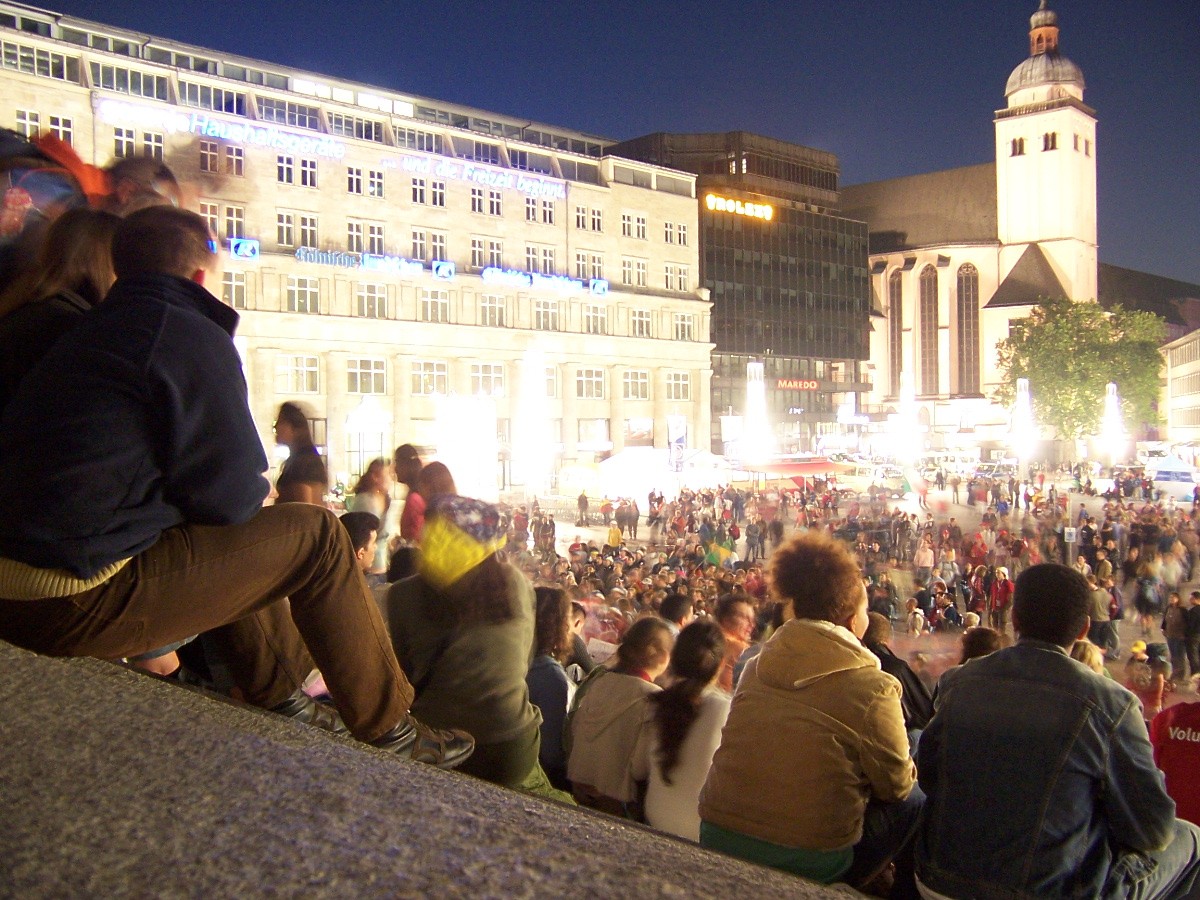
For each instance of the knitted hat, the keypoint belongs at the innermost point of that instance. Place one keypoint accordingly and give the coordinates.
(460, 533)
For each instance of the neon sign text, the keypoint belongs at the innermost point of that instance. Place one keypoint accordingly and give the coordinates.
(397, 265)
(762, 211)
(116, 112)
(559, 283)
(531, 185)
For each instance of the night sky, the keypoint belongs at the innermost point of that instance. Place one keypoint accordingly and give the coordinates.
(893, 88)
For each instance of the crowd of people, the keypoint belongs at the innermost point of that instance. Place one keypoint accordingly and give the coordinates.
(732, 679)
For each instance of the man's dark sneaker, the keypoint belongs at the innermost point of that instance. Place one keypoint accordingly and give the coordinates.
(304, 708)
(444, 748)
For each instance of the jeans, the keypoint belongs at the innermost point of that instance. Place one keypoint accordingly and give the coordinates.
(270, 591)
(1170, 874)
(888, 830)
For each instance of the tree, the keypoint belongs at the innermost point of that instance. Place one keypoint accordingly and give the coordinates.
(1070, 351)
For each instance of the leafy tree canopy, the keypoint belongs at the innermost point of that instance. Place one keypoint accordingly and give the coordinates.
(1070, 352)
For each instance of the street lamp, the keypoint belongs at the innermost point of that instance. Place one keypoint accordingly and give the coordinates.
(1022, 435)
(1112, 427)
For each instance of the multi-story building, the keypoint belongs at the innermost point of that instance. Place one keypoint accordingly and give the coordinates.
(411, 270)
(788, 281)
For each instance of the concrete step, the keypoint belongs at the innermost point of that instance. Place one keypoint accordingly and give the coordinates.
(114, 784)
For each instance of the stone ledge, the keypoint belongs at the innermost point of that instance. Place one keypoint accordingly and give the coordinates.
(117, 785)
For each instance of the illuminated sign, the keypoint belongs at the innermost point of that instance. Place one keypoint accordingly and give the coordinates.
(173, 121)
(531, 185)
(559, 283)
(243, 248)
(755, 210)
(344, 260)
(795, 384)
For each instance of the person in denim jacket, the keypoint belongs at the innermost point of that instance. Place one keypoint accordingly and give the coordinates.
(1039, 773)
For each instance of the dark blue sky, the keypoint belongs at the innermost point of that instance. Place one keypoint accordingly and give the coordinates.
(893, 88)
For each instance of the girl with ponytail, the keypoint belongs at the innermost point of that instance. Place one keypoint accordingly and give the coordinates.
(688, 718)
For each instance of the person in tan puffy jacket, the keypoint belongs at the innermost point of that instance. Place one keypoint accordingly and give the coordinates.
(813, 774)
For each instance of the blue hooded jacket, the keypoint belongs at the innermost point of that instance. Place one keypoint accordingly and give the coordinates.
(134, 422)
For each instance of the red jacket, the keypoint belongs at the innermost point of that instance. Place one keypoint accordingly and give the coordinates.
(1175, 734)
(1002, 592)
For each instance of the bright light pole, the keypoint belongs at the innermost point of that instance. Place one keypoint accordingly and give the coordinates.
(1112, 427)
(1022, 435)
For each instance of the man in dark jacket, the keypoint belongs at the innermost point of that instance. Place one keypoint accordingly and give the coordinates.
(914, 698)
(147, 525)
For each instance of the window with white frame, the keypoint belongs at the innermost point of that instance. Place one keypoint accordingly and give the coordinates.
(547, 212)
(153, 145)
(308, 173)
(496, 253)
(669, 276)
(233, 289)
(478, 253)
(375, 183)
(303, 294)
(626, 224)
(597, 220)
(581, 217)
(636, 384)
(235, 221)
(679, 386)
(434, 305)
(366, 376)
(596, 261)
(29, 123)
(545, 315)
(626, 271)
(285, 229)
(122, 142)
(683, 326)
(437, 193)
(595, 319)
(420, 243)
(531, 209)
(211, 214)
(487, 379)
(308, 231)
(354, 237)
(476, 200)
(491, 310)
(354, 180)
(676, 277)
(235, 161)
(437, 245)
(370, 300)
(548, 266)
(589, 384)
(429, 377)
(531, 258)
(639, 228)
(418, 190)
(495, 203)
(297, 375)
(683, 276)
(285, 169)
(681, 232)
(639, 273)
(375, 239)
(209, 156)
(581, 265)
(639, 323)
(552, 381)
(669, 232)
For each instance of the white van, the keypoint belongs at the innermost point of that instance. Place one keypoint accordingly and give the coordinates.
(859, 480)
(1173, 477)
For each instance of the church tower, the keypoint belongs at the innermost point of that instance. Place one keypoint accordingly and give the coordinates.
(1046, 164)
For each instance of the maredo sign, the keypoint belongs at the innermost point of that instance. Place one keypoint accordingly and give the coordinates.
(795, 384)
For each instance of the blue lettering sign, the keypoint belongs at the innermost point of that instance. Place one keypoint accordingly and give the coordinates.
(531, 185)
(243, 248)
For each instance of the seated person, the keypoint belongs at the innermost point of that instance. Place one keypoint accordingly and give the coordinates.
(610, 722)
(813, 774)
(550, 689)
(1067, 801)
(915, 699)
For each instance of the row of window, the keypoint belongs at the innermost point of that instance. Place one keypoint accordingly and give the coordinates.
(1187, 353)
(967, 354)
(1186, 384)
(1050, 142)
(301, 374)
(303, 295)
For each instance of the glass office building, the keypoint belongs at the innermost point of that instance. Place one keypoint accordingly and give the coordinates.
(788, 281)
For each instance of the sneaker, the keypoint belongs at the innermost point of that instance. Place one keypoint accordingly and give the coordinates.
(444, 748)
(308, 711)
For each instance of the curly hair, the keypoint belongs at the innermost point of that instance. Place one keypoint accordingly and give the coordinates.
(695, 660)
(818, 576)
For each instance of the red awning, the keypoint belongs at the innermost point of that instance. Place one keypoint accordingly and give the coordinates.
(801, 467)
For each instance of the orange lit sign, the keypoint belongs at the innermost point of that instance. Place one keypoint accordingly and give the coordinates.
(795, 384)
(755, 210)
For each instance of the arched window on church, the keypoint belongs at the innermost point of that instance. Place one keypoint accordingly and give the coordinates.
(929, 330)
(1050, 140)
(1018, 147)
(968, 329)
(895, 331)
